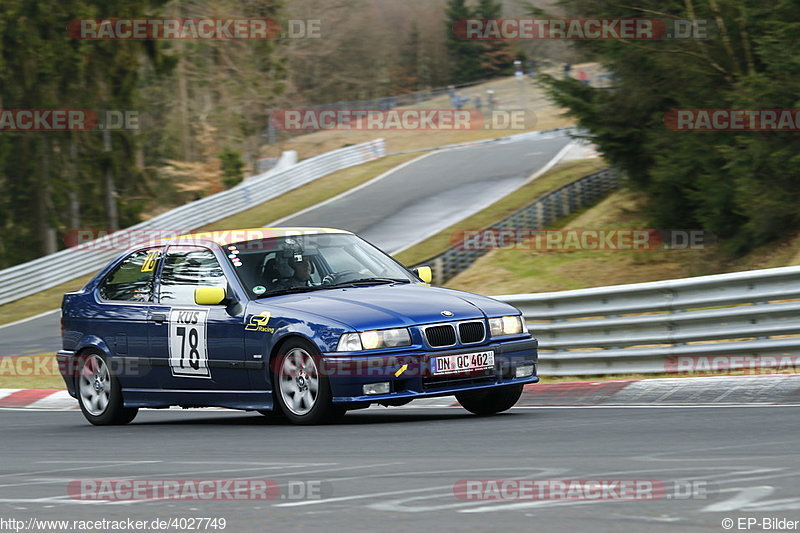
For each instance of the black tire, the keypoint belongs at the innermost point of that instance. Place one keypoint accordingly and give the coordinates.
(108, 412)
(306, 409)
(490, 401)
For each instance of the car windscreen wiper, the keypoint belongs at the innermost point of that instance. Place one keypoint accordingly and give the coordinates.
(365, 281)
(295, 290)
(351, 283)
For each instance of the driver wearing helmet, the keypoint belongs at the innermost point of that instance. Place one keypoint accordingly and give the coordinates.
(294, 269)
(301, 272)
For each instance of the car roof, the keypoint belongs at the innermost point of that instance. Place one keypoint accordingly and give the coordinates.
(225, 237)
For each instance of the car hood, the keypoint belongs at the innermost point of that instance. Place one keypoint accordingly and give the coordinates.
(387, 306)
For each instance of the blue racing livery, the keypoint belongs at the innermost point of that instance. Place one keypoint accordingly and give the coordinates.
(301, 323)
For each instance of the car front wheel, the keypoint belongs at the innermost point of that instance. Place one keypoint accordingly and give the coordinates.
(490, 401)
(100, 394)
(302, 393)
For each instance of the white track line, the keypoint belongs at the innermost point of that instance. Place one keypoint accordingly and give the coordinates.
(550, 164)
(40, 315)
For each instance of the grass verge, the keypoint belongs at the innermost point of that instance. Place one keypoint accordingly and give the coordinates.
(30, 372)
(40, 302)
(518, 271)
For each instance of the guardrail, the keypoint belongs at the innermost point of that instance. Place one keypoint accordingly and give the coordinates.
(51, 270)
(726, 321)
(537, 215)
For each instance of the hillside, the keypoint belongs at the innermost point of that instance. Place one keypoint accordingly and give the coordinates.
(518, 271)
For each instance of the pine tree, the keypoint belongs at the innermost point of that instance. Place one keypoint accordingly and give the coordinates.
(409, 68)
(497, 57)
(741, 185)
(52, 179)
(465, 54)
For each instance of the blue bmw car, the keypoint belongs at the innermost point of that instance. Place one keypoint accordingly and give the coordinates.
(301, 323)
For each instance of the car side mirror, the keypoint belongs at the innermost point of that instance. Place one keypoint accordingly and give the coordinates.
(424, 273)
(209, 295)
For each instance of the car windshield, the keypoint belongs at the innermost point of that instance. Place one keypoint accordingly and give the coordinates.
(300, 263)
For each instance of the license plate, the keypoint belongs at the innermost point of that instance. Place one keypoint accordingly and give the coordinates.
(465, 362)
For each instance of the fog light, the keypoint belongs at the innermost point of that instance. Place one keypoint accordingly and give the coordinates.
(377, 388)
(524, 371)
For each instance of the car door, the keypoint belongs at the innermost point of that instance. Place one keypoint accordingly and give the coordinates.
(119, 318)
(201, 347)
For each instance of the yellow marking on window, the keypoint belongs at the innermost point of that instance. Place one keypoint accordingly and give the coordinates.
(150, 261)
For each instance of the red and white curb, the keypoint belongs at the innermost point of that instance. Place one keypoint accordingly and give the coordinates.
(766, 389)
(50, 399)
(713, 391)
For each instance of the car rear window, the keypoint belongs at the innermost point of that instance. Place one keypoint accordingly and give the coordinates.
(132, 280)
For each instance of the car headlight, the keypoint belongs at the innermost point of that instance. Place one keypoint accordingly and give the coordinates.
(507, 325)
(373, 340)
(350, 342)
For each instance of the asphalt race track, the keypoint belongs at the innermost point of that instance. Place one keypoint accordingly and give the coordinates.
(40, 335)
(434, 192)
(395, 469)
(423, 197)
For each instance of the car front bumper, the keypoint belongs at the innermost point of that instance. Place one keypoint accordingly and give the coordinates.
(408, 373)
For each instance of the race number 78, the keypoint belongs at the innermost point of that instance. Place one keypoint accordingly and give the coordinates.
(194, 353)
(188, 350)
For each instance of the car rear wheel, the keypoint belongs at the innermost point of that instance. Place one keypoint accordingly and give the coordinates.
(100, 394)
(490, 401)
(302, 393)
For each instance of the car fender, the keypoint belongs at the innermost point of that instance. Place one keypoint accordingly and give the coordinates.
(324, 338)
(93, 341)
(322, 332)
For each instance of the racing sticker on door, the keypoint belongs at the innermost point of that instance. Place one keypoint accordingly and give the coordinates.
(188, 349)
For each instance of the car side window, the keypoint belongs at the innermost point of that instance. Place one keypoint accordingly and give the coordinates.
(132, 280)
(185, 269)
